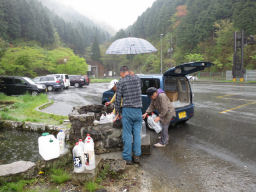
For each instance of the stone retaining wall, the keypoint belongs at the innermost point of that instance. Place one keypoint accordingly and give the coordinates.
(35, 127)
(107, 137)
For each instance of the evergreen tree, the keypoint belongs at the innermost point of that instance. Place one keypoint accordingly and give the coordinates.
(95, 50)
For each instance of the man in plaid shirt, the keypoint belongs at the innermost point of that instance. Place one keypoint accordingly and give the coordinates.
(129, 88)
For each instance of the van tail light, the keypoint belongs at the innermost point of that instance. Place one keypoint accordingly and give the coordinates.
(57, 81)
(65, 80)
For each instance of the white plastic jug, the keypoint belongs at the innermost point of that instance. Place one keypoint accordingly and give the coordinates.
(143, 129)
(78, 158)
(89, 154)
(49, 147)
(81, 143)
(89, 138)
(102, 117)
(61, 139)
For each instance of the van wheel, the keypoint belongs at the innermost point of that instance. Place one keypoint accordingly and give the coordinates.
(34, 93)
(77, 85)
(49, 88)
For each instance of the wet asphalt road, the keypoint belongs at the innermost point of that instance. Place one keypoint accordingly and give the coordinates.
(214, 151)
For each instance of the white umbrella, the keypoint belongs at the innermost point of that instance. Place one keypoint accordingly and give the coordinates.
(130, 46)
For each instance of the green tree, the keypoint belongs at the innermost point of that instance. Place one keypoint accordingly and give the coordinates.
(244, 16)
(95, 50)
(33, 61)
(194, 57)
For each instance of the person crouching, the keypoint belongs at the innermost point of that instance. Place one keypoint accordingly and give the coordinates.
(161, 103)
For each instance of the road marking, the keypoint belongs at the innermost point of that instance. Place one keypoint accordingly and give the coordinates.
(237, 99)
(240, 106)
(222, 96)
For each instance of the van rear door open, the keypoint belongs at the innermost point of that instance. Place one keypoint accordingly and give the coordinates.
(187, 68)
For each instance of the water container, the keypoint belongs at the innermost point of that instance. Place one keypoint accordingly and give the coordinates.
(61, 139)
(78, 158)
(89, 138)
(49, 147)
(102, 118)
(143, 129)
(89, 154)
(81, 143)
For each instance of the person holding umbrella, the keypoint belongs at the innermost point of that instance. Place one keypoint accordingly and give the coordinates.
(129, 89)
(161, 103)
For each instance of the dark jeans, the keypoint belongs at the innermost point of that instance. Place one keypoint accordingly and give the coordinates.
(132, 122)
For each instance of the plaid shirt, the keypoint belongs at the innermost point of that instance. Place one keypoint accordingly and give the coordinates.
(128, 88)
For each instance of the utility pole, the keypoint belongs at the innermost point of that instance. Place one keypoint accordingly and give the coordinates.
(161, 38)
(238, 59)
(170, 50)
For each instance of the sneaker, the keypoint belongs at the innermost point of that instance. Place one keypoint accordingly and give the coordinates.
(136, 159)
(159, 145)
(128, 162)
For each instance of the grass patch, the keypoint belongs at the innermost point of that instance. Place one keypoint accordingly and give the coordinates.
(91, 186)
(59, 176)
(107, 80)
(24, 109)
(15, 186)
(37, 190)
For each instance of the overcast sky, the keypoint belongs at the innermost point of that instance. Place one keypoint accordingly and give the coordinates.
(117, 13)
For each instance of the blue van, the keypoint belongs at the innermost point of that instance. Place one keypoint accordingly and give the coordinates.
(176, 86)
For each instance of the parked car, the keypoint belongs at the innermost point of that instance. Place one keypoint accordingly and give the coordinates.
(176, 86)
(65, 79)
(14, 85)
(77, 80)
(51, 82)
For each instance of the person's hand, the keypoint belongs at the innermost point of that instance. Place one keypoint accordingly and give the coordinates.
(157, 119)
(144, 115)
(116, 117)
(107, 103)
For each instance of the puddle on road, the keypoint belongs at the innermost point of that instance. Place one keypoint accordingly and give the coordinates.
(18, 145)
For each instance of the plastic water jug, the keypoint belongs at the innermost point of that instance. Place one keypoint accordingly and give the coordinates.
(89, 154)
(81, 143)
(49, 147)
(89, 138)
(143, 129)
(61, 139)
(102, 118)
(78, 158)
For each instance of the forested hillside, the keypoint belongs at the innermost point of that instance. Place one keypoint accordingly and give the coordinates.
(30, 32)
(195, 30)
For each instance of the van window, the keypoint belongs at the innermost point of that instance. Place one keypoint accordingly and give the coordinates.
(183, 84)
(170, 84)
(146, 83)
(66, 77)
